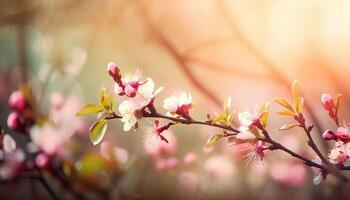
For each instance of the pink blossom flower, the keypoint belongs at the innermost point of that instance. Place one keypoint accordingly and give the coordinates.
(161, 165)
(155, 147)
(158, 129)
(319, 174)
(16, 122)
(42, 160)
(340, 155)
(12, 164)
(179, 105)
(17, 101)
(257, 151)
(8, 144)
(47, 138)
(219, 167)
(130, 109)
(188, 183)
(327, 101)
(172, 162)
(343, 134)
(190, 158)
(329, 135)
(288, 174)
(109, 152)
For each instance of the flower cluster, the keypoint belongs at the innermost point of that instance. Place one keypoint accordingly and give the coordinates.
(252, 129)
(21, 116)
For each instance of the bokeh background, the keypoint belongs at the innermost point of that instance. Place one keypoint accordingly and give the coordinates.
(250, 50)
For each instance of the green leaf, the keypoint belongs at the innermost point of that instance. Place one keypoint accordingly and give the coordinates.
(337, 102)
(284, 103)
(288, 126)
(88, 110)
(98, 130)
(105, 99)
(213, 139)
(286, 113)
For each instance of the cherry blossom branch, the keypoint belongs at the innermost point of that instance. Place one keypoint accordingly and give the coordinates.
(179, 120)
(275, 145)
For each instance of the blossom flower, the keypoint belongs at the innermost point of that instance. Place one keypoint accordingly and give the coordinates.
(8, 144)
(219, 167)
(179, 105)
(188, 184)
(131, 109)
(288, 173)
(342, 134)
(190, 158)
(319, 174)
(17, 101)
(340, 155)
(327, 101)
(155, 147)
(47, 138)
(110, 152)
(12, 164)
(11, 157)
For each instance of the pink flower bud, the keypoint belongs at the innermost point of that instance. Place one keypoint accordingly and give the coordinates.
(130, 91)
(327, 101)
(113, 69)
(328, 135)
(17, 101)
(13, 121)
(42, 160)
(343, 134)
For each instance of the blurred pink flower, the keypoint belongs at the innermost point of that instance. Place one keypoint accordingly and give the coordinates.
(12, 164)
(190, 158)
(172, 162)
(288, 173)
(62, 114)
(219, 167)
(188, 184)
(42, 160)
(47, 138)
(109, 152)
(17, 101)
(154, 146)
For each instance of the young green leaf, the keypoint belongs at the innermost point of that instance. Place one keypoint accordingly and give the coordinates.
(288, 126)
(89, 109)
(213, 139)
(284, 103)
(104, 99)
(337, 102)
(98, 130)
(286, 113)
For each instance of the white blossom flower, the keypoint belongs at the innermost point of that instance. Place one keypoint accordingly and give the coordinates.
(179, 104)
(144, 96)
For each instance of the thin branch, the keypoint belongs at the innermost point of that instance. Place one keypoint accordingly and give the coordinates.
(47, 186)
(275, 145)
